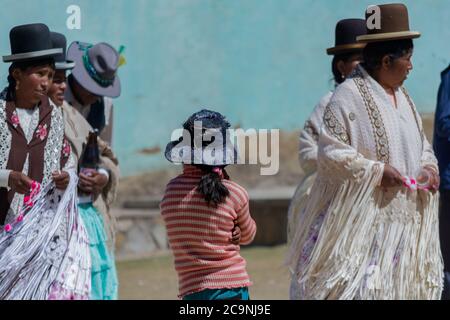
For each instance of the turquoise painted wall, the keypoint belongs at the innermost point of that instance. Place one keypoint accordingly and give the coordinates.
(261, 62)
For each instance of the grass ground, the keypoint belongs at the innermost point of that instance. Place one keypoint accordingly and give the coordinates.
(155, 278)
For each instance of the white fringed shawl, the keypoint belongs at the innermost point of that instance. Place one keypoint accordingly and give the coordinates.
(372, 243)
(46, 255)
(307, 156)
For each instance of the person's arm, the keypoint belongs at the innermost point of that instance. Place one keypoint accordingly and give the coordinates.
(107, 132)
(19, 182)
(4, 178)
(103, 183)
(106, 151)
(109, 168)
(309, 137)
(337, 157)
(109, 165)
(442, 116)
(307, 152)
(428, 159)
(246, 223)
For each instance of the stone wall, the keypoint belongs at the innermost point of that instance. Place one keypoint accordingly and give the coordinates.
(141, 230)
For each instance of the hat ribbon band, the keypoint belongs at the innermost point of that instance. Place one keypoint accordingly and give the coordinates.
(93, 73)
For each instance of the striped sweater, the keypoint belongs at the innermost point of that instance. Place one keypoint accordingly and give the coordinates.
(199, 235)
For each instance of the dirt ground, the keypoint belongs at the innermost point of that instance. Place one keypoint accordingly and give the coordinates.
(155, 278)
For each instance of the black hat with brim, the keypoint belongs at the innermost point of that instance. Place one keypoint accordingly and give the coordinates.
(347, 31)
(59, 41)
(30, 42)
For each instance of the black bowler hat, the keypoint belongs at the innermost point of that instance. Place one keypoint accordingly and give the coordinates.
(59, 41)
(30, 41)
(346, 32)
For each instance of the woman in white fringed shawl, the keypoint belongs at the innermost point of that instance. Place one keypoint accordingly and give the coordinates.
(363, 234)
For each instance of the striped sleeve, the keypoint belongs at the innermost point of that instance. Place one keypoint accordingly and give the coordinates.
(247, 225)
(245, 221)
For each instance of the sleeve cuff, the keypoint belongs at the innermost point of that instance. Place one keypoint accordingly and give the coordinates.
(4, 178)
(104, 172)
(381, 169)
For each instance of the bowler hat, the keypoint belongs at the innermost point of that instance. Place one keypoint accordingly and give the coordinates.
(30, 41)
(345, 36)
(394, 24)
(59, 41)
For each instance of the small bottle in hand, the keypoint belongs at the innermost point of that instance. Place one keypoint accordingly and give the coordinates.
(91, 157)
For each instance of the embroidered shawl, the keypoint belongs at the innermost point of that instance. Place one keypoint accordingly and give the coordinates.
(354, 239)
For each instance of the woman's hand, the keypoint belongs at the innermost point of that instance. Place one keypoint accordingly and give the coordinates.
(391, 177)
(94, 183)
(19, 182)
(61, 179)
(434, 178)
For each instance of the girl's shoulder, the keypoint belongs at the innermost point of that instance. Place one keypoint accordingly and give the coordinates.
(175, 180)
(182, 179)
(236, 189)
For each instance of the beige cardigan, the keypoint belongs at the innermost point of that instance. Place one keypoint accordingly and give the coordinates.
(77, 130)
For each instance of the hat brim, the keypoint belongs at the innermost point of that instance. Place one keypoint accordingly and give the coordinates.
(84, 79)
(32, 55)
(68, 65)
(388, 36)
(186, 155)
(345, 48)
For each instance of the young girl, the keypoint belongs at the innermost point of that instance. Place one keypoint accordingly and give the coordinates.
(201, 208)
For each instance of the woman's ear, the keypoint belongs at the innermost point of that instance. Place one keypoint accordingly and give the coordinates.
(17, 74)
(341, 67)
(386, 62)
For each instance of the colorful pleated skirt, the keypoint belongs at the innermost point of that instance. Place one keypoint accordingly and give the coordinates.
(104, 285)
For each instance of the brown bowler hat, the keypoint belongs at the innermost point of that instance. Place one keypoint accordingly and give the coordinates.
(394, 25)
(345, 36)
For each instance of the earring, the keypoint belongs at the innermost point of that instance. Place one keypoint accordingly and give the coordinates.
(17, 85)
(342, 76)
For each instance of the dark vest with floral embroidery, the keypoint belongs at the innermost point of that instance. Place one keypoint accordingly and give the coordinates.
(20, 148)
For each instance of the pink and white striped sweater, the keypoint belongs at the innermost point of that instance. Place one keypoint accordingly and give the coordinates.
(199, 234)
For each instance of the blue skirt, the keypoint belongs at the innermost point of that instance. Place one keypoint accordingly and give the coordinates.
(104, 284)
(219, 294)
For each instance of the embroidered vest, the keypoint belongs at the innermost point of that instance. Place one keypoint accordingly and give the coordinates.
(44, 150)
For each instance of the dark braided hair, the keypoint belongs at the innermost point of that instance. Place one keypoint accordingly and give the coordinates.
(211, 185)
(23, 65)
(340, 57)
